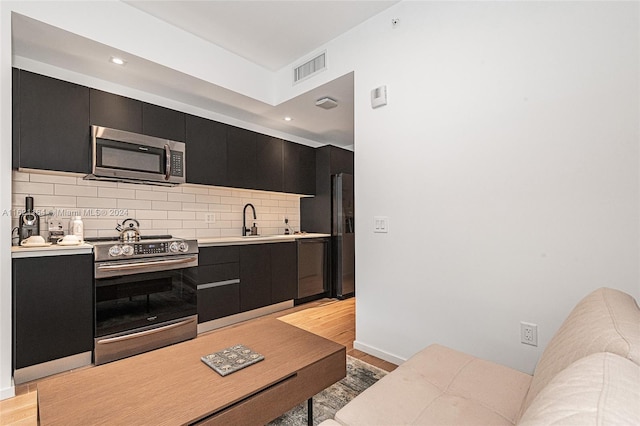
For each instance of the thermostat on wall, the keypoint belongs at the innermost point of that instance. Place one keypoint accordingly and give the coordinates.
(379, 97)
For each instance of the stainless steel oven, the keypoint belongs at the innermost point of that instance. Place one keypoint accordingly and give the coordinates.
(145, 296)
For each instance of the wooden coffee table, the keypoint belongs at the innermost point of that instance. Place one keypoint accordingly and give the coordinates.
(172, 386)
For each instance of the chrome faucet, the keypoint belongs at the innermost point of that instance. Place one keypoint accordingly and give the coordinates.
(245, 230)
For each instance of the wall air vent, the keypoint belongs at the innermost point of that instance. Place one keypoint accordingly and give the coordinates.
(310, 68)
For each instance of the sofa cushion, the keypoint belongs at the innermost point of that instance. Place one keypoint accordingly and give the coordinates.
(606, 320)
(601, 389)
(440, 386)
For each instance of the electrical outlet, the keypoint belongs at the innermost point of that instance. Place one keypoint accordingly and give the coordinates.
(529, 333)
(210, 218)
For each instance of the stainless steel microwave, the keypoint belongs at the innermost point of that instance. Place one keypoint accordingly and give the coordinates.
(130, 157)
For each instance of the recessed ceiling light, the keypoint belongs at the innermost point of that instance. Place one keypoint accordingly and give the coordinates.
(288, 119)
(117, 61)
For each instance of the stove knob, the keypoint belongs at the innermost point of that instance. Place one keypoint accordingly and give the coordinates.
(174, 247)
(115, 251)
(184, 247)
(127, 250)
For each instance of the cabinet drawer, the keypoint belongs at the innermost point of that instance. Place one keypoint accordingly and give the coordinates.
(216, 273)
(217, 255)
(221, 300)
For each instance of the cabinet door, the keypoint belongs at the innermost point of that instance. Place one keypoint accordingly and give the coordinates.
(269, 163)
(299, 169)
(241, 158)
(15, 126)
(206, 151)
(54, 124)
(52, 308)
(163, 122)
(255, 276)
(117, 112)
(341, 161)
(284, 275)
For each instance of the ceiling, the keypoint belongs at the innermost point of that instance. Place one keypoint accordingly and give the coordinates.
(271, 34)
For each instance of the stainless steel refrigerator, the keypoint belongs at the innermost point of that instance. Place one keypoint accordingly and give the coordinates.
(343, 257)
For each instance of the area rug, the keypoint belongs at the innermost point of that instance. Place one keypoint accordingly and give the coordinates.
(360, 376)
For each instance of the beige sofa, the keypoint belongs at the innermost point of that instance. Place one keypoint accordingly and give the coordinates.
(588, 374)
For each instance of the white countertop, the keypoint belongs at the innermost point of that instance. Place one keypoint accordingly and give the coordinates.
(255, 239)
(57, 250)
(52, 250)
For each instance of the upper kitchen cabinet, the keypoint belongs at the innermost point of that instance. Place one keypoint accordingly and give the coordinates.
(315, 212)
(241, 158)
(254, 160)
(15, 126)
(268, 163)
(53, 124)
(299, 169)
(117, 112)
(206, 151)
(340, 160)
(163, 122)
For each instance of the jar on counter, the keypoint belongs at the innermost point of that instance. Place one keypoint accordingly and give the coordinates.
(76, 227)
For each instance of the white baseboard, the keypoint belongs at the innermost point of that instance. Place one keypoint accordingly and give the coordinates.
(6, 393)
(378, 353)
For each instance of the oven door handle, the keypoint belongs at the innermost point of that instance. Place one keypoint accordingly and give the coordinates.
(143, 333)
(129, 266)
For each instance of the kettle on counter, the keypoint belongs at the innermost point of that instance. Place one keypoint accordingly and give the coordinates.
(128, 229)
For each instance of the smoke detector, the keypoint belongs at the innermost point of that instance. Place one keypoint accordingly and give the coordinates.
(326, 103)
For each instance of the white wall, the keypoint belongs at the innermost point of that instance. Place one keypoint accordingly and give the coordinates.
(507, 162)
(6, 383)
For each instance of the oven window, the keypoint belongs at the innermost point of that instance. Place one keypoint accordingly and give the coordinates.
(129, 302)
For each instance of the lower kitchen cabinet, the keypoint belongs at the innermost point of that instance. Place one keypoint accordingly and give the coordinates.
(52, 308)
(267, 274)
(218, 282)
(255, 276)
(284, 277)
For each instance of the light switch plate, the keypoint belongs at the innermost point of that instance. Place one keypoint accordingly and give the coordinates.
(380, 224)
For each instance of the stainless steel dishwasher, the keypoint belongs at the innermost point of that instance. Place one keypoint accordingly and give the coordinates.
(313, 256)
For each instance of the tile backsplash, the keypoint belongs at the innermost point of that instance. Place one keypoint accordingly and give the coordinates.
(185, 211)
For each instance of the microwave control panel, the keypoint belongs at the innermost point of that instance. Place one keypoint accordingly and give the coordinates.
(177, 162)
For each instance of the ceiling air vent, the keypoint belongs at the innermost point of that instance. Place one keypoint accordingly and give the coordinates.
(311, 67)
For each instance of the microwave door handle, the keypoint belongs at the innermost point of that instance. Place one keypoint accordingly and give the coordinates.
(167, 155)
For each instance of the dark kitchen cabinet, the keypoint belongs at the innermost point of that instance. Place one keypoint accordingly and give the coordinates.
(15, 123)
(207, 151)
(299, 169)
(54, 131)
(241, 158)
(117, 112)
(268, 274)
(284, 276)
(163, 122)
(269, 173)
(52, 308)
(218, 282)
(315, 212)
(254, 160)
(255, 276)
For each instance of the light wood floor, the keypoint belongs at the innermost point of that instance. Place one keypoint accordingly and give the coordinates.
(329, 318)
